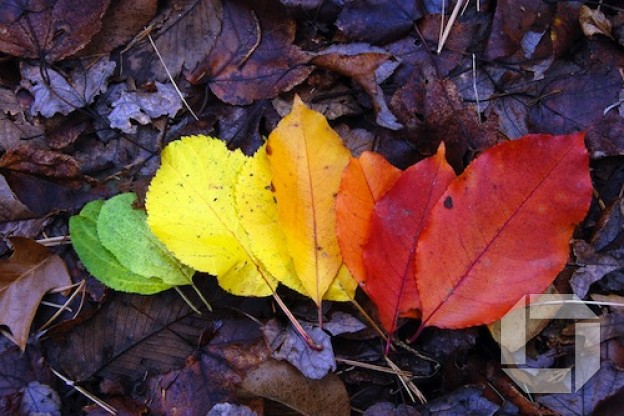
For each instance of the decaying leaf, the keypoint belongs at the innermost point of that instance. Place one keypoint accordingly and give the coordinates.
(34, 161)
(25, 278)
(396, 223)
(60, 94)
(307, 159)
(40, 399)
(369, 66)
(186, 31)
(11, 208)
(52, 29)
(254, 56)
(142, 107)
(594, 22)
(364, 181)
(539, 182)
(280, 382)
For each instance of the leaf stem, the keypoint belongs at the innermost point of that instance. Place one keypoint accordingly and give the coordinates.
(187, 300)
(201, 296)
(298, 328)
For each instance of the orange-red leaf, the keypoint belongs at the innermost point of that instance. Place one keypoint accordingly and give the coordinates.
(502, 229)
(364, 181)
(396, 223)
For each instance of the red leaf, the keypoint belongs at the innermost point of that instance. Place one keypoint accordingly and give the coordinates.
(396, 224)
(502, 229)
(364, 181)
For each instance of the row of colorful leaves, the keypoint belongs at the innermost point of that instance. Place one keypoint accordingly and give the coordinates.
(423, 243)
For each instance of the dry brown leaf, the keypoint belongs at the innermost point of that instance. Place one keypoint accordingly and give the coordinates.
(40, 162)
(11, 208)
(254, 56)
(25, 277)
(186, 32)
(54, 31)
(123, 20)
(280, 382)
(594, 22)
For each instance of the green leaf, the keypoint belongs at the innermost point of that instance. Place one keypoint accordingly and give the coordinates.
(123, 231)
(100, 262)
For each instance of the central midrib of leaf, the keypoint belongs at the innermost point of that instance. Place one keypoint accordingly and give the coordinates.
(314, 223)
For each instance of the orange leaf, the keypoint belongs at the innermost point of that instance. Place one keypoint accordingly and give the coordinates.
(24, 278)
(502, 229)
(396, 224)
(364, 181)
(307, 160)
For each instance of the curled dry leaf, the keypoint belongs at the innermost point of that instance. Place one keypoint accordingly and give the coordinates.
(25, 278)
(594, 22)
(369, 66)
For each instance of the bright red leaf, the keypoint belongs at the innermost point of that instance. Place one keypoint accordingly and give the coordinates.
(502, 229)
(396, 224)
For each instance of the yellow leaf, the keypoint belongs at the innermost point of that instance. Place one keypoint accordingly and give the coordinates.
(307, 159)
(192, 208)
(344, 286)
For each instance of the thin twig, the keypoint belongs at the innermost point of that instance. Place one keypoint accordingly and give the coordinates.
(449, 25)
(474, 86)
(295, 323)
(107, 407)
(162, 61)
(410, 387)
(374, 367)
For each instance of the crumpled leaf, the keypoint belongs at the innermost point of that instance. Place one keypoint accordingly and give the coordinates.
(369, 66)
(594, 266)
(65, 94)
(53, 30)
(397, 221)
(143, 107)
(123, 231)
(100, 262)
(307, 159)
(287, 344)
(364, 181)
(594, 22)
(213, 209)
(539, 182)
(229, 409)
(25, 278)
(279, 382)
(40, 399)
(186, 31)
(254, 56)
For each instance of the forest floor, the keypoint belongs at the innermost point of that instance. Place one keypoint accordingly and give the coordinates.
(88, 104)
